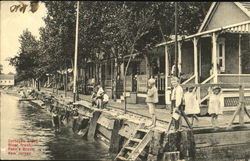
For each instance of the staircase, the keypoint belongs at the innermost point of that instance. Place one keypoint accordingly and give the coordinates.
(135, 145)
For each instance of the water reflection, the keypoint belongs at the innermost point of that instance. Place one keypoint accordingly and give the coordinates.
(21, 121)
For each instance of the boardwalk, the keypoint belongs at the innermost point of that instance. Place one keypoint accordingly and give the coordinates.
(162, 113)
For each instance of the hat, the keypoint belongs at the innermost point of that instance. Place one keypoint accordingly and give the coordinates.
(151, 81)
(216, 87)
(191, 87)
(174, 79)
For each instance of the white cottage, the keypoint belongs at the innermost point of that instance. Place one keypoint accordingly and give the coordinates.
(218, 53)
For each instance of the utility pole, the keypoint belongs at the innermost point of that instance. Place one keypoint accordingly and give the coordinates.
(76, 47)
(175, 44)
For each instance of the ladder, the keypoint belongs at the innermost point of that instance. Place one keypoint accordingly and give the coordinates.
(135, 145)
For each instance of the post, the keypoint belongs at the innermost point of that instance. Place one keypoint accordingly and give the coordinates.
(167, 92)
(179, 57)
(195, 42)
(124, 84)
(175, 44)
(241, 103)
(76, 47)
(240, 63)
(214, 57)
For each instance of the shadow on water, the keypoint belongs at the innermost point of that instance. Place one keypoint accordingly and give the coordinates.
(23, 121)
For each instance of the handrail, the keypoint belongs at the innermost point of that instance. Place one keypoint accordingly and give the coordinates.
(192, 77)
(208, 79)
(234, 75)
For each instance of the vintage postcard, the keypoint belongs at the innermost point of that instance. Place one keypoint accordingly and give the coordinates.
(125, 80)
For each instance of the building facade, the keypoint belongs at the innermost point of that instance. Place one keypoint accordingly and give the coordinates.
(7, 80)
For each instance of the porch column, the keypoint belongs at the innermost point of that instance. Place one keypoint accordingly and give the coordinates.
(214, 56)
(240, 63)
(195, 43)
(167, 91)
(179, 57)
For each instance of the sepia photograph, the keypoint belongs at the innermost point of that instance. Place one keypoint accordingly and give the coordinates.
(125, 80)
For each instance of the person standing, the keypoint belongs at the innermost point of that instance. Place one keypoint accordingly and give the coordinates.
(191, 103)
(151, 100)
(177, 101)
(214, 105)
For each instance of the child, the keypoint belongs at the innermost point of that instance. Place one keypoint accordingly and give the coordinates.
(214, 106)
(105, 100)
(152, 99)
(93, 98)
(55, 118)
(99, 96)
(191, 103)
(75, 115)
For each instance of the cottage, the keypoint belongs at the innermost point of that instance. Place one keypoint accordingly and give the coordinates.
(218, 53)
(7, 80)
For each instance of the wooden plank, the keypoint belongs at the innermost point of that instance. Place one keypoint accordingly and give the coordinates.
(115, 140)
(224, 153)
(222, 129)
(105, 121)
(92, 125)
(104, 131)
(222, 138)
(127, 129)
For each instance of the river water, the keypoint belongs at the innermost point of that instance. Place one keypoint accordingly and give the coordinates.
(27, 133)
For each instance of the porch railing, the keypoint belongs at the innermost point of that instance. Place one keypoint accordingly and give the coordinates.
(190, 80)
(233, 78)
(209, 79)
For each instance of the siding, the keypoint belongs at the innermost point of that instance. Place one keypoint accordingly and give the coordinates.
(227, 13)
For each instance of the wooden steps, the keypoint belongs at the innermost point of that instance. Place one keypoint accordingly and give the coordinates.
(135, 145)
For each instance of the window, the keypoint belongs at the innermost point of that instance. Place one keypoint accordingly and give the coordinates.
(221, 54)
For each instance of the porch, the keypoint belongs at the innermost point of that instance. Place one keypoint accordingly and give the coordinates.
(216, 56)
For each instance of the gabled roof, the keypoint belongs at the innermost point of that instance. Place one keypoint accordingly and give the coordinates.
(244, 6)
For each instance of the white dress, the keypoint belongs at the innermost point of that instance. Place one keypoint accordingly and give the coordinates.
(191, 103)
(214, 106)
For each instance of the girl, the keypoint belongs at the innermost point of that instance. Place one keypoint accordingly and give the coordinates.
(191, 103)
(214, 106)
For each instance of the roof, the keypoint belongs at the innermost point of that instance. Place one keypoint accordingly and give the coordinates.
(244, 6)
(7, 77)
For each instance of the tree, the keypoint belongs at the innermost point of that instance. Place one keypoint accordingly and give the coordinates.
(27, 60)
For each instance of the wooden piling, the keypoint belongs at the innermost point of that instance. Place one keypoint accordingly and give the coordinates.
(115, 141)
(92, 125)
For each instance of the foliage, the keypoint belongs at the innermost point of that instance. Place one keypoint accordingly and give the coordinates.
(115, 29)
(27, 60)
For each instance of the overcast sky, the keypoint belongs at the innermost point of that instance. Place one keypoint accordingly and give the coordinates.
(12, 26)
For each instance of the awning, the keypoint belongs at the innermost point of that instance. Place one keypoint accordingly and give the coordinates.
(243, 27)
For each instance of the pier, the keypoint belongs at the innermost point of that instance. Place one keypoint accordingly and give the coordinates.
(115, 128)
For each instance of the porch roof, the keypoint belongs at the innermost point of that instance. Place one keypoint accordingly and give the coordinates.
(241, 28)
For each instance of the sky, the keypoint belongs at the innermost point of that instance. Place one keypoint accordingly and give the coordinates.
(12, 25)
